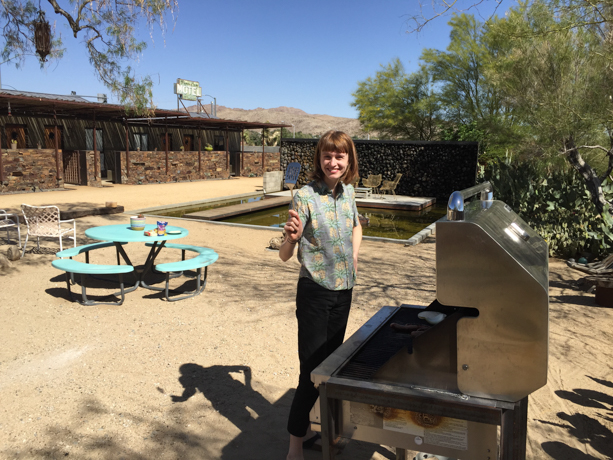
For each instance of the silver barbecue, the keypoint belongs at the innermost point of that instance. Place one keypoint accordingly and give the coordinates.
(448, 390)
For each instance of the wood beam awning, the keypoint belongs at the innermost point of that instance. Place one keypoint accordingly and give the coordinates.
(39, 105)
(199, 122)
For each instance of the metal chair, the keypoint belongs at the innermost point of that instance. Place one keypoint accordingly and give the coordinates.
(390, 185)
(7, 223)
(372, 181)
(45, 221)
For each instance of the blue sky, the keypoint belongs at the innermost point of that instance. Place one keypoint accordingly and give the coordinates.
(248, 54)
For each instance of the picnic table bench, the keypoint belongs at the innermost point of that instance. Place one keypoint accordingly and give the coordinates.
(205, 257)
(72, 267)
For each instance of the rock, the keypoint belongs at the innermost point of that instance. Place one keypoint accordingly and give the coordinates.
(275, 243)
(13, 253)
(5, 263)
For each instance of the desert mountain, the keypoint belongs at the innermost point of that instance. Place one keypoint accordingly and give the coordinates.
(305, 122)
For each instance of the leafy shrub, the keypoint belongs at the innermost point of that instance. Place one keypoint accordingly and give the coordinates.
(557, 204)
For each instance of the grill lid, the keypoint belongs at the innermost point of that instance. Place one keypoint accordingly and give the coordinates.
(494, 262)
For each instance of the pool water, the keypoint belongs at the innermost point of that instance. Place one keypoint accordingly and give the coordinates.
(182, 210)
(386, 223)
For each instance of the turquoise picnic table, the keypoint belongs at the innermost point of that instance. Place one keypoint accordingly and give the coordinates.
(120, 234)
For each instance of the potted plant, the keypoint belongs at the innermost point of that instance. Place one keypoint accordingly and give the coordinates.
(208, 147)
(14, 144)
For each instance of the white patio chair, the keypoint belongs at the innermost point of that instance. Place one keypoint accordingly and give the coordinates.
(8, 221)
(45, 221)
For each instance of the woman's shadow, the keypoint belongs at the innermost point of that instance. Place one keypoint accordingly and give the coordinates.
(228, 396)
(262, 424)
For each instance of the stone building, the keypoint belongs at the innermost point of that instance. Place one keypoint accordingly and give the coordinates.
(48, 140)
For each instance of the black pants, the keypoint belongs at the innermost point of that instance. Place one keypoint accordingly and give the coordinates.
(322, 319)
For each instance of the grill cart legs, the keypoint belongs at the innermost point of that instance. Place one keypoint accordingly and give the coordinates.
(513, 431)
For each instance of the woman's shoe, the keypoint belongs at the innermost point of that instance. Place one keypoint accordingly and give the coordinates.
(311, 443)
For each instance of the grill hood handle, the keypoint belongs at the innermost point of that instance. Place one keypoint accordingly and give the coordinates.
(455, 206)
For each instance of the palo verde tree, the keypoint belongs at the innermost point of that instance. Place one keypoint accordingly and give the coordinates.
(449, 97)
(559, 79)
(471, 103)
(398, 105)
(109, 29)
(553, 69)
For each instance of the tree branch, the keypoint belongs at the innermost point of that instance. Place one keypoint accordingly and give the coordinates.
(58, 10)
(593, 183)
(421, 20)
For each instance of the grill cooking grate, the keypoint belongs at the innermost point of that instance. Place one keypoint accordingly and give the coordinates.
(379, 348)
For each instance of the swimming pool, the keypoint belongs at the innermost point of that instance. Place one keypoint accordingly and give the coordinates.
(181, 210)
(384, 223)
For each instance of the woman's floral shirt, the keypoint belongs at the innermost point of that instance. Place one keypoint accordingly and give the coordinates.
(326, 249)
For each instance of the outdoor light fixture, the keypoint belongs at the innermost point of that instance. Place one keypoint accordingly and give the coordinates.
(42, 36)
(214, 105)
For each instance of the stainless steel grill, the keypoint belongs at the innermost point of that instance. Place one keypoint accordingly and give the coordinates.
(447, 390)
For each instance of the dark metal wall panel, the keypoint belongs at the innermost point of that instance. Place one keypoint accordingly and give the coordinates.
(73, 132)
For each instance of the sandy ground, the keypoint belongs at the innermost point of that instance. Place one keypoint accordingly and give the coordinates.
(212, 377)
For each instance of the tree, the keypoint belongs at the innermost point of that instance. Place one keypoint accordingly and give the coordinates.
(466, 93)
(398, 105)
(251, 137)
(109, 29)
(440, 8)
(271, 138)
(559, 80)
(286, 133)
(585, 13)
(554, 74)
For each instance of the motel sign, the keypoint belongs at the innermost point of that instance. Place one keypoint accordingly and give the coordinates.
(187, 89)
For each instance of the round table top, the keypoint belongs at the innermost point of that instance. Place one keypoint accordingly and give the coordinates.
(123, 233)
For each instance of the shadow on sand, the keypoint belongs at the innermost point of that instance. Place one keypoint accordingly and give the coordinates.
(587, 430)
(256, 418)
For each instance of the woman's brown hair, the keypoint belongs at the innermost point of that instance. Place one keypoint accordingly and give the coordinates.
(336, 141)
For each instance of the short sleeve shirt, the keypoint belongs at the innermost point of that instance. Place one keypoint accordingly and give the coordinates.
(325, 249)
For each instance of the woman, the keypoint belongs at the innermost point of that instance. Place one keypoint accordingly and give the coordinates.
(324, 225)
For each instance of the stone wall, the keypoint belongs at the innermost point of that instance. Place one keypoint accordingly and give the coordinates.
(430, 169)
(252, 163)
(30, 170)
(35, 169)
(150, 167)
(93, 176)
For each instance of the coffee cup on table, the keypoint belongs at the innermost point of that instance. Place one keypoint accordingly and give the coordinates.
(137, 222)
